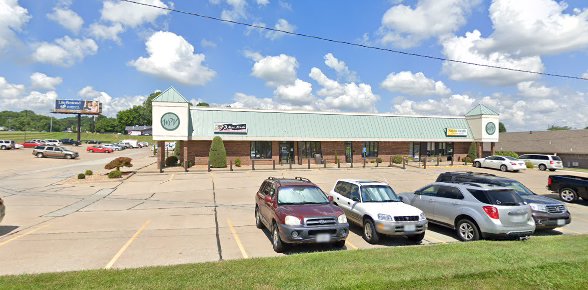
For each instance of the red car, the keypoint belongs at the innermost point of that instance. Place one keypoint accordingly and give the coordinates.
(297, 211)
(31, 144)
(99, 149)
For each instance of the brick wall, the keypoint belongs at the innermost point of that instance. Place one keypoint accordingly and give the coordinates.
(460, 150)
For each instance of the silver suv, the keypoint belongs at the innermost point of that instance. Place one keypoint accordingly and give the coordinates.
(543, 162)
(54, 151)
(375, 207)
(6, 144)
(474, 210)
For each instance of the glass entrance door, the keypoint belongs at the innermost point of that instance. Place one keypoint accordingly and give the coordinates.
(348, 152)
(286, 152)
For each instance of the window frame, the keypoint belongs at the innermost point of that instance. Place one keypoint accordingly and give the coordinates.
(253, 150)
(372, 148)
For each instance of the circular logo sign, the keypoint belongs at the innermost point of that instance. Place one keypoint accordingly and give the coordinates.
(170, 121)
(490, 128)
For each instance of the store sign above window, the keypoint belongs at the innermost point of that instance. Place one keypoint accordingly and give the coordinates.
(452, 132)
(230, 128)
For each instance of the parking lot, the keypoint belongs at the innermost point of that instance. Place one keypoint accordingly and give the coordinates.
(55, 223)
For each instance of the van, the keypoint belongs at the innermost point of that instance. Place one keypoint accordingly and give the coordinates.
(133, 143)
(543, 162)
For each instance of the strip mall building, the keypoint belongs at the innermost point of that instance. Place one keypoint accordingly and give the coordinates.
(284, 136)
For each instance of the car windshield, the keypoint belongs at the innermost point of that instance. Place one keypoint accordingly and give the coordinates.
(378, 193)
(497, 196)
(519, 188)
(301, 195)
(510, 158)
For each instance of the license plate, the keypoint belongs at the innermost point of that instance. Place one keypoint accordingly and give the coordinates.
(561, 222)
(323, 238)
(409, 228)
(518, 218)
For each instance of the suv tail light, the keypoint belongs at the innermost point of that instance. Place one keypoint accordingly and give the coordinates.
(491, 211)
(549, 181)
(551, 162)
(512, 163)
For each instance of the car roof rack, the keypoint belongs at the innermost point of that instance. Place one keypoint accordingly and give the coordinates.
(302, 179)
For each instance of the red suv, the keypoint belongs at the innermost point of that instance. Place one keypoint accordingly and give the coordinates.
(297, 211)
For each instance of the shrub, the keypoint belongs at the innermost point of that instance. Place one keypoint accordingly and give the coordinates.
(507, 153)
(118, 163)
(171, 161)
(397, 159)
(529, 164)
(81, 176)
(115, 174)
(372, 161)
(467, 159)
(238, 162)
(473, 151)
(189, 162)
(88, 172)
(177, 149)
(379, 160)
(217, 154)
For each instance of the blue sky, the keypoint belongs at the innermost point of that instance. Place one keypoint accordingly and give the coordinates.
(119, 52)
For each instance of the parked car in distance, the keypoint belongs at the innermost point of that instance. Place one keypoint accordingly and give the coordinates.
(504, 163)
(93, 142)
(133, 143)
(143, 144)
(18, 146)
(54, 152)
(2, 210)
(474, 210)
(375, 207)
(569, 187)
(52, 142)
(6, 144)
(297, 211)
(548, 213)
(99, 149)
(543, 162)
(32, 144)
(70, 142)
(113, 147)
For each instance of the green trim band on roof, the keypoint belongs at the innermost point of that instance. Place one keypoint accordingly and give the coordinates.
(481, 110)
(171, 95)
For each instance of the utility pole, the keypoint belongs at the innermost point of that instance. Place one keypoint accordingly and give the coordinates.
(79, 127)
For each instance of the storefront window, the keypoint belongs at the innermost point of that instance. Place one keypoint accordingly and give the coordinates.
(371, 149)
(261, 150)
(309, 148)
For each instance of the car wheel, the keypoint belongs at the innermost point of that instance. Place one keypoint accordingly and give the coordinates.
(67, 156)
(416, 238)
(503, 168)
(258, 222)
(277, 243)
(478, 164)
(552, 169)
(542, 167)
(3, 147)
(568, 195)
(370, 234)
(40, 155)
(467, 230)
(339, 244)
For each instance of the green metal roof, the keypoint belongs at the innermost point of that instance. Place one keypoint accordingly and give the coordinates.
(314, 126)
(171, 95)
(481, 110)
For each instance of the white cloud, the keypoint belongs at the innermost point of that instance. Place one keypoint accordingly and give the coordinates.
(465, 49)
(242, 100)
(132, 15)
(299, 93)
(536, 27)
(106, 32)
(110, 106)
(282, 25)
(67, 18)
(172, 57)
(535, 90)
(8, 90)
(207, 43)
(14, 97)
(585, 75)
(455, 105)
(275, 70)
(236, 12)
(65, 51)
(253, 55)
(42, 81)
(262, 2)
(12, 18)
(339, 66)
(417, 84)
(405, 27)
(343, 96)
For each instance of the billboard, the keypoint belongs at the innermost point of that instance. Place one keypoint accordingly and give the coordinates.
(78, 107)
(453, 132)
(239, 128)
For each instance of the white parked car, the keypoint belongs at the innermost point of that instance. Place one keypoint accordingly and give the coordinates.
(133, 143)
(543, 162)
(112, 146)
(18, 146)
(52, 142)
(504, 163)
(375, 206)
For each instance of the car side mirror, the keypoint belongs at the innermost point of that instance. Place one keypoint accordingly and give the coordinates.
(267, 199)
(418, 192)
(330, 198)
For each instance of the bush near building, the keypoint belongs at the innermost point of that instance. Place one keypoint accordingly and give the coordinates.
(217, 156)
(88, 172)
(238, 162)
(115, 174)
(397, 159)
(529, 164)
(171, 161)
(81, 176)
(473, 151)
(507, 153)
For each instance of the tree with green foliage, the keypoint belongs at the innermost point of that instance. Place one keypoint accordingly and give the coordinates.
(118, 163)
(202, 104)
(217, 155)
(558, 128)
(501, 127)
(473, 151)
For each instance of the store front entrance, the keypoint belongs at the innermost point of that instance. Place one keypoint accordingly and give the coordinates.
(348, 152)
(286, 152)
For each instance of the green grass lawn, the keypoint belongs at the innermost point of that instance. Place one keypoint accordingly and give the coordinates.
(577, 169)
(542, 262)
(19, 137)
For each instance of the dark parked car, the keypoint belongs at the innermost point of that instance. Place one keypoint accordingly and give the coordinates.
(297, 211)
(548, 213)
(93, 142)
(70, 142)
(569, 187)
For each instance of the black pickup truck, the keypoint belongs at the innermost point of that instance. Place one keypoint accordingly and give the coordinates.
(569, 187)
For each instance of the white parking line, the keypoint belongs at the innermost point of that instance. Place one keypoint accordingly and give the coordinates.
(237, 239)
